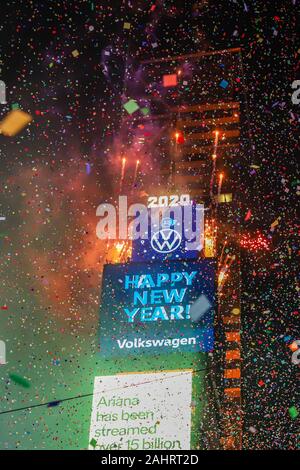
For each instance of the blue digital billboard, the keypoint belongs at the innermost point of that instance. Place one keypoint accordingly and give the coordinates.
(177, 235)
(151, 308)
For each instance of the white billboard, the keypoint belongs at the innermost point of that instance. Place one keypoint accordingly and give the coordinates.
(144, 411)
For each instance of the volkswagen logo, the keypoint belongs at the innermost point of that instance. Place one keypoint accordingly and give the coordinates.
(166, 240)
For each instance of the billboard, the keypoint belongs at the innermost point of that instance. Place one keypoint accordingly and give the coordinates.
(161, 307)
(170, 233)
(147, 411)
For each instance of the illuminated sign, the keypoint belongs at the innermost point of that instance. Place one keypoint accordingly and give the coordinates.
(157, 307)
(169, 201)
(167, 239)
(149, 411)
(173, 233)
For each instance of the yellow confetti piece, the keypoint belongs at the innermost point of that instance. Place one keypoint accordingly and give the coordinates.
(14, 122)
(276, 222)
(126, 26)
(75, 53)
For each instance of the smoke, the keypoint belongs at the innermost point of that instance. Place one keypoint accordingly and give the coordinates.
(59, 258)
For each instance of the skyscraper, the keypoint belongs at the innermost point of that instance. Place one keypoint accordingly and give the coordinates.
(189, 129)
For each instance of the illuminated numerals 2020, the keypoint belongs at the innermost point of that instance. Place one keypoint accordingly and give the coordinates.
(169, 201)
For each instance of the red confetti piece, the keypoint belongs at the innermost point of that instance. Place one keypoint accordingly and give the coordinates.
(248, 215)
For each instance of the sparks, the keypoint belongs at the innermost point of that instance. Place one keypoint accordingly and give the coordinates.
(179, 138)
(214, 158)
(136, 172)
(122, 172)
(258, 243)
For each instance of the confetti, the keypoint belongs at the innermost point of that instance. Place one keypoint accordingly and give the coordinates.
(19, 380)
(131, 106)
(93, 443)
(224, 84)
(14, 122)
(53, 404)
(92, 97)
(170, 80)
(294, 413)
(199, 308)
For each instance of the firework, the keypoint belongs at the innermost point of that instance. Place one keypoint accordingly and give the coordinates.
(221, 176)
(136, 171)
(122, 172)
(214, 159)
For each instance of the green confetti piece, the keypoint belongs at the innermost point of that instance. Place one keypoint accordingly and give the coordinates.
(131, 106)
(15, 106)
(93, 443)
(19, 380)
(145, 111)
(293, 412)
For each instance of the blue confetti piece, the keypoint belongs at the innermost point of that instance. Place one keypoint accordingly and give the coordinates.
(224, 84)
(52, 404)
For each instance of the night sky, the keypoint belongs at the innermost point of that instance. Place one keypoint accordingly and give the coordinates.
(55, 172)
